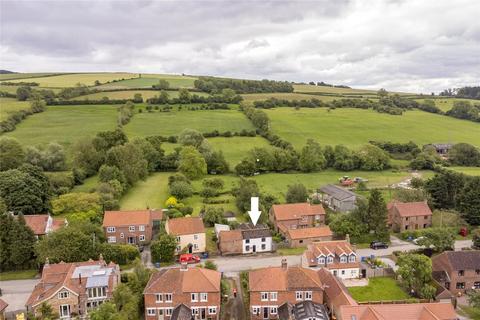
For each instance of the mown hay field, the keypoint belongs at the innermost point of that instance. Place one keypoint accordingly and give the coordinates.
(128, 94)
(70, 80)
(148, 80)
(10, 105)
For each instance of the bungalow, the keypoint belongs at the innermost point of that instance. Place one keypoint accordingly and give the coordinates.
(247, 239)
(339, 257)
(337, 198)
(189, 232)
(404, 216)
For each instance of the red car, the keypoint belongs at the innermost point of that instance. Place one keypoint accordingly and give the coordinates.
(189, 258)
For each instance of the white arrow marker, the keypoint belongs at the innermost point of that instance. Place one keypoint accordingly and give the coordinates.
(254, 213)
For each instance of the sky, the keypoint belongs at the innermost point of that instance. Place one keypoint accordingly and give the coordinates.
(412, 45)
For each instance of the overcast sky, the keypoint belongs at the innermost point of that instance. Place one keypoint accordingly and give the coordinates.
(414, 45)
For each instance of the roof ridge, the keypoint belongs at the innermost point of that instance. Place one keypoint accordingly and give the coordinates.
(425, 308)
(208, 279)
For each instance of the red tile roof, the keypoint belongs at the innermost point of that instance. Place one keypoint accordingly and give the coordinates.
(186, 225)
(179, 281)
(335, 290)
(127, 218)
(291, 211)
(413, 311)
(411, 209)
(313, 232)
(232, 235)
(326, 248)
(3, 305)
(283, 279)
(38, 223)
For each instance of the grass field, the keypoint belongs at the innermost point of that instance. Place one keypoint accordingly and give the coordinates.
(446, 104)
(285, 96)
(10, 76)
(88, 184)
(355, 127)
(235, 148)
(18, 275)
(471, 171)
(10, 105)
(147, 80)
(65, 124)
(379, 289)
(128, 94)
(150, 193)
(323, 89)
(172, 123)
(70, 80)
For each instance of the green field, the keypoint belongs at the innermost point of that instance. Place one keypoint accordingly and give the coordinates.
(10, 76)
(150, 193)
(446, 104)
(172, 123)
(285, 96)
(235, 148)
(471, 171)
(88, 184)
(10, 105)
(379, 289)
(128, 94)
(355, 127)
(18, 275)
(65, 124)
(147, 80)
(323, 89)
(70, 80)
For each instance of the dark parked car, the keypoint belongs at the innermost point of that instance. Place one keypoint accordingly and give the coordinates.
(378, 245)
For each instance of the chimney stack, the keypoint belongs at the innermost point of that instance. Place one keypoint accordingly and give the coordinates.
(47, 263)
(80, 278)
(347, 238)
(284, 263)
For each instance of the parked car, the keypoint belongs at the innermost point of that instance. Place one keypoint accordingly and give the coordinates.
(378, 245)
(417, 240)
(189, 258)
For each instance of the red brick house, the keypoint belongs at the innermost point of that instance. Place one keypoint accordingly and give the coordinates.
(457, 271)
(272, 287)
(73, 289)
(132, 227)
(42, 224)
(403, 216)
(305, 236)
(183, 291)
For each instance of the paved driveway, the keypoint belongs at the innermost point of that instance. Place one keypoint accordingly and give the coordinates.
(16, 292)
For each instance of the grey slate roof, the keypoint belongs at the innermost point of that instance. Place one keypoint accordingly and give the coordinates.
(464, 260)
(97, 281)
(182, 312)
(337, 192)
(249, 231)
(302, 311)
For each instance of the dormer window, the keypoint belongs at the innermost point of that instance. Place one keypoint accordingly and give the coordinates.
(352, 258)
(343, 259)
(321, 260)
(329, 259)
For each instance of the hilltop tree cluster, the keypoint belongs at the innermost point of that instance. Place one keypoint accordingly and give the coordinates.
(215, 85)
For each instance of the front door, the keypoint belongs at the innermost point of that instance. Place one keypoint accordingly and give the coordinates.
(254, 248)
(131, 240)
(203, 313)
(190, 248)
(265, 312)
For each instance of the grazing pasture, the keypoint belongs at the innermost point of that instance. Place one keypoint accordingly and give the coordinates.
(151, 193)
(285, 96)
(128, 94)
(148, 80)
(446, 104)
(10, 105)
(172, 123)
(235, 148)
(355, 127)
(65, 124)
(306, 88)
(12, 76)
(70, 80)
(471, 171)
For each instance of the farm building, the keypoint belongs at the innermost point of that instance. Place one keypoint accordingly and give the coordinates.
(337, 198)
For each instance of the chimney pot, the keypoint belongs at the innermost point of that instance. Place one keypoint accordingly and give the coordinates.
(80, 278)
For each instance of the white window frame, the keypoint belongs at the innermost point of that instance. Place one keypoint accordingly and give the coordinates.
(151, 311)
(141, 228)
(203, 297)
(329, 259)
(263, 296)
(168, 311)
(352, 258)
(194, 297)
(307, 295)
(195, 246)
(141, 237)
(256, 310)
(195, 237)
(273, 296)
(158, 298)
(112, 239)
(298, 295)
(273, 310)
(63, 295)
(212, 310)
(343, 259)
(178, 239)
(131, 228)
(122, 235)
(168, 297)
(61, 311)
(321, 260)
(110, 229)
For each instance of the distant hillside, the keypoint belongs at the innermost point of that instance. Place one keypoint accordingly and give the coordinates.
(6, 72)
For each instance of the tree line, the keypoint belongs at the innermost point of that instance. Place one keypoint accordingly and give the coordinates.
(214, 85)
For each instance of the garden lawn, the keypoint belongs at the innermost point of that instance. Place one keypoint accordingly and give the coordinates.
(70, 80)
(235, 148)
(150, 193)
(65, 124)
(18, 275)
(172, 123)
(291, 251)
(10, 105)
(471, 171)
(355, 127)
(128, 94)
(379, 289)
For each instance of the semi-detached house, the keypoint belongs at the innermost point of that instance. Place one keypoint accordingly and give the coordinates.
(130, 227)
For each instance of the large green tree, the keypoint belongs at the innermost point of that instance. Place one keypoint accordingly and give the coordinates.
(444, 188)
(296, 193)
(415, 271)
(311, 157)
(192, 164)
(16, 243)
(377, 215)
(86, 157)
(464, 154)
(190, 137)
(373, 158)
(468, 201)
(163, 249)
(439, 239)
(11, 154)
(130, 160)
